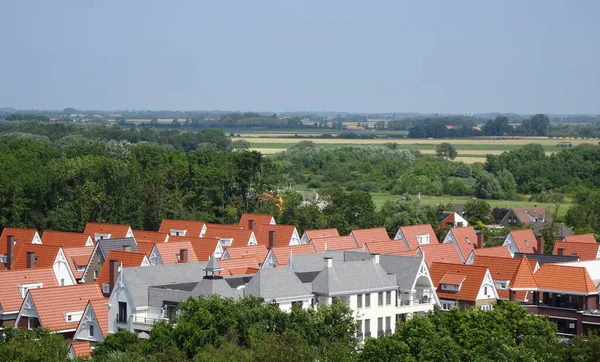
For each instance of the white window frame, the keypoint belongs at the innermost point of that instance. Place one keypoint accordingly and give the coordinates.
(423, 239)
(25, 287)
(177, 232)
(105, 288)
(95, 275)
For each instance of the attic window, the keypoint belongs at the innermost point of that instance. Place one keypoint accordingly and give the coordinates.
(73, 316)
(98, 236)
(178, 232)
(468, 240)
(105, 288)
(25, 287)
(3, 258)
(527, 244)
(423, 239)
(226, 242)
(450, 287)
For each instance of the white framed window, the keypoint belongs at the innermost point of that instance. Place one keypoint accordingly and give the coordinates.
(448, 305)
(3, 258)
(101, 236)
(105, 288)
(423, 239)
(73, 316)
(367, 300)
(226, 242)
(359, 301)
(450, 287)
(25, 287)
(177, 232)
(486, 307)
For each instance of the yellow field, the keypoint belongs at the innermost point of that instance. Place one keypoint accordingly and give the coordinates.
(500, 143)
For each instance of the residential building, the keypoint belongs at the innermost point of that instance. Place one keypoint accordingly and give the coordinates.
(446, 253)
(154, 237)
(279, 256)
(30, 256)
(172, 253)
(390, 247)
(496, 251)
(465, 239)
(229, 236)
(334, 243)
(581, 248)
(320, 233)
(542, 259)
(513, 277)
(582, 238)
(281, 286)
(66, 239)
(100, 252)
(258, 252)
(451, 219)
(526, 216)
(100, 231)
(118, 259)
(271, 235)
(414, 236)
(524, 241)
(187, 228)
(254, 221)
(363, 236)
(10, 238)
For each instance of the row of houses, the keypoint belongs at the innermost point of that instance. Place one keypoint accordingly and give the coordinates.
(86, 285)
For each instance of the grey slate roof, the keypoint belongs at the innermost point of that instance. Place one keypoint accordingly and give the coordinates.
(313, 262)
(405, 268)
(213, 264)
(544, 259)
(276, 283)
(215, 286)
(158, 295)
(105, 245)
(353, 277)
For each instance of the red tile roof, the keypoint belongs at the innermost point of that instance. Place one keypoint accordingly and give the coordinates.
(81, 349)
(500, 268)
(453, 279)
(524, 240)
(78, 257)
(193, 228)
(169, 252)
(321, 233)
(101, 311)
(411, 232)
(259, 219)
(583, 238)
(259, 252)
(391, 247)
(523, 277)
(466, 238)
(363, 236)
(127, 258)
(115, 230)
(45, 254)
(235, 266)
(446, 253)
(283, 234)
(204, 248)
(562, 278)
(22, 236)
(282, 253)
(11, 280)
(518, 273)
(497, 251)
(145, 246)
(240, 237)
(585, 251)
(334, 243)
(154, 237)
(66, 239)
(474, 276)
(52, 304)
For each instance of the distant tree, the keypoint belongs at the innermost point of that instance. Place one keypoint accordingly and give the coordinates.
(498, 127)
(446, 150)
(154, 121)
(478, 210)
(487, 186)
(239, 145)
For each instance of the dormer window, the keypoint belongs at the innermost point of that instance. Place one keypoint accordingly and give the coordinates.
(73, 316)
(3, 258)
(450, 287)
(226, 242)
(468, 240)
(25, 287)
(423, 239)
(98, 236)
(527, 244)
(178, 232)
(106, 288)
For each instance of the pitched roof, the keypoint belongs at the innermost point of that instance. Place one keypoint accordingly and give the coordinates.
(169, 252)
(524, 240)
(465, 238)
(497, 251)
(530, 214)
(405, 268)
(313, 262)
(440, 252)
(410, 235)
(582, 238)
(453, 279)
(544, 259)
(145, 247)
(66, 239)
(22, 236)
(363, 236)
(214, 286)
(81, 348)
(106, 245)
(259, 219)
(395, 247)
(52, 304)
(240, 237)
(353, 277)
(523, 277)
(283, 234)
(12, 280)
(272, 284)
(584, 251)
(101, 311)
(115, 230)
(501, 268)
(563, 278)
(334, 243)
(231, 266)
(321, 233)
(192, 228)
(126, 258)
(259, 252)
(474, 276)
(155, 237)
(78, 259)
(45, 255)
(282, 253)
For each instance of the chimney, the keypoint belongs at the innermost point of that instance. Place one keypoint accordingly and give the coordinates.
(540, 244)
(328, 262)
(30, 259)
(127, 248)
(10, 246)
(113, 273)
(560, 251)
(480, 237)
(251, 224)
(375, 258)
(271, 238)
(183, 255)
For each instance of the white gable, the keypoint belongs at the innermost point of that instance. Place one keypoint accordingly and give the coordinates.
(36, 238)
(27, 309)
(145, 261)
(487, 285)
(272, 222)
(89, 241)
(155, 258)
(252, 240)
(270, 260)
(512, 246)
(218, 250)
(83, 329)
(295, 240)
(471, 258)
(203, 231)
(62, 271)
(304, 239)
(449, 238)
(129, 233)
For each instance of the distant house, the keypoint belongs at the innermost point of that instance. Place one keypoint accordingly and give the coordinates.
(452, 219)
(354, 128)
(98, 256)
(524, 216)
(414, 236)
(100, 231)
(188, 228)
(253, 221)
(362, 236)
(524, 241)
(321, 233)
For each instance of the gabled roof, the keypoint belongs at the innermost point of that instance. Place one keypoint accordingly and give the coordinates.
(169, 252)
(496, 251)
(565, 279)
(100, 310)
(353, 277)
(259, 252)
(240, 237)
(155, 237)
(392, 247)
(192, 228)
(453, 279)
(474, 277)
(259, 219)
(106, 245)
(78, 258)
(321, 233)
(313, 262)
(525, 240)
(214, 286)
(274, 284)
(45, 255)
(544, 259)
(410, 233)
(465, 238)
(145, 247)
(52, 304)
(440, 252)
(231, 266)
(22, 236)
(283, 234)
(529, 214)
(582, 238)
(81, 349)
(282, 253)
(523, 277)
(12, 280)
(334, 243)
(363, 236)
(67, 239)
(115, 230)
(126, 258)
(502, 268)
(405, 268)
(584, 251)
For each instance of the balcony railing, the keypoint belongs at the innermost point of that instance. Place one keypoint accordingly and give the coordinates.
(147, 320)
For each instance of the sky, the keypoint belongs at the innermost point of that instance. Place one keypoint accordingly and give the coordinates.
(533, 56)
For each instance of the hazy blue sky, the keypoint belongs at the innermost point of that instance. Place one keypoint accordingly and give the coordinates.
(365, 56)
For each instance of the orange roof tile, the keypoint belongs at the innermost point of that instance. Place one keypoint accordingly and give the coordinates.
(145, 246)
(440, 252)
(66, 239)
(524, 240)
(283, 234)
(518, 273)
(334, 243)
(155, 237)
(582, 238)
(410, 235)
(238, 236)
(523, 277)
(52, 304)
(392, 247)
(500, 268)
(25, 236)
(78, 259)
(101, 311)
(452, 279)
(562, 278)
(585, 251)
(259, 219)
(127, 258)
(81, 348)
(363, 236)
(241, 271)
(254, 251)
(465, 238)
(204, 248)
(115, 230)
(45, 255)
(224, 226)
(192, 228)
(474, 276)
(236, 265)
(11, 280)
(497, 251)
(321, 233)
(169, 252)
(282, 253)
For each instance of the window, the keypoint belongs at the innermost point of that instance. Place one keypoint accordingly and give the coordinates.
(367, 328)
(95, 275)
(388, 325)
(485, 291)
(105, 288)
(297, 304)
(388, 298)
(69, 318)
(380, 299)
(485, 307)
(423, 239)
(367, 300)
(2, 258)
(122, 316)
(92, 330)
(468, 240)
(177, 232)
(359, 299)
(448, 305)
(226, 242)
(380, 326)
(26, 287)
(73, 316)
(450, 287)
(171, 313)
(62, 282)
(527, 244)
(359, 332)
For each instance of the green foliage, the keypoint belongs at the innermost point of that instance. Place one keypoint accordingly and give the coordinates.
(487, 186)
(446, 150)
(20, 345)
(350, 210)
(478, 211)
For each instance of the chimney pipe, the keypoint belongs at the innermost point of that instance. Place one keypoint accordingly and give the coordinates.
(127, 248)
(480, 242)
(251, 224)
(10, 246)
(113, 273)
(328, 262)
(540, 244)
(271, 238)
(375, 258)
(30, 262)
(183, 255)
(560, 251)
